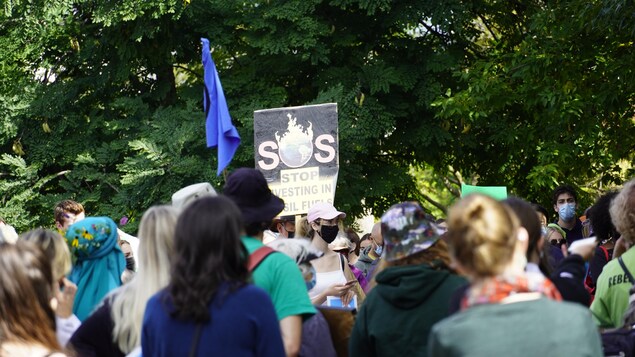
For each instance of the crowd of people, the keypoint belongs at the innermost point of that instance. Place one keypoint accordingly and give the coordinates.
(226, 275)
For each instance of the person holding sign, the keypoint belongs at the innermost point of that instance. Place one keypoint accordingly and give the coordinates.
(335, 282)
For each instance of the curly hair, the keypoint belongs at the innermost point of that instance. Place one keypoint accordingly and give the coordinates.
(623, 211)
(601, 217)
(208, 253)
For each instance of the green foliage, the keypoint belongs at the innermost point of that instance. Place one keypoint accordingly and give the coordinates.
(102, 100)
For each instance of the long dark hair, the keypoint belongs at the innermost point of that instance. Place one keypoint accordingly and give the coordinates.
(208, 253)
(26, 290)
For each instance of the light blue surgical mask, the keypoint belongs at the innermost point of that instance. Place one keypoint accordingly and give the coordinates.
(310, 284)
(567, 211)
(543, 231)
(379, 250)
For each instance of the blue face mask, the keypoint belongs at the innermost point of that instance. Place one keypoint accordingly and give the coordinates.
(310, 284)
(379, 250)
(543, 231)
(567, 211)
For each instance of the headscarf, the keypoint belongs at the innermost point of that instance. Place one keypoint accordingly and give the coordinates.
(97, 262)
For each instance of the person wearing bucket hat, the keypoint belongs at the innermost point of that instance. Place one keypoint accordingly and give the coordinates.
(277, 274)
(414, 285)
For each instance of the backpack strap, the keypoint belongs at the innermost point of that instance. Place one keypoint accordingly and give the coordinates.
(606, 252)
(628, 273)
(258, 256)
(195, 339)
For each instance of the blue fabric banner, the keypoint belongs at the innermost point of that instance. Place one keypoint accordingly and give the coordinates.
(219, 129)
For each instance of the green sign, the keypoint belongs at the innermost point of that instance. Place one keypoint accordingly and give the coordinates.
(496, 192)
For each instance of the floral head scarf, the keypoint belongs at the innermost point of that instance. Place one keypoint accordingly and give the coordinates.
(97, 261)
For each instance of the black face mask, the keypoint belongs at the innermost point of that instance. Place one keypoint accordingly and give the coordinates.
(328, 233)
(130, 263)
(290, 234)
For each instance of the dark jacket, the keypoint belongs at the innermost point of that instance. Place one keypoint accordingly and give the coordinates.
(399, 312)
(569, 279)
(94, 337)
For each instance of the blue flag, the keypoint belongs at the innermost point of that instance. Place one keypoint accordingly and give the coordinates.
(219, 129)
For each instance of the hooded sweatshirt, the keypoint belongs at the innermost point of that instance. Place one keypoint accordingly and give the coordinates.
(399, 312)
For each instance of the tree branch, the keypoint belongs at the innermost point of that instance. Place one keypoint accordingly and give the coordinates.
(487, 26)
(187, 69)
(434, 202)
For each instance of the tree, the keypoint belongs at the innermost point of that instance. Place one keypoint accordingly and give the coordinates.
(103, 99)
(557, 105)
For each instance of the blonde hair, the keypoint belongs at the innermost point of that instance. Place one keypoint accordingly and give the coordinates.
(54, 247)
(302, 227)
(623, 211)
(482, 235)
(156, 240)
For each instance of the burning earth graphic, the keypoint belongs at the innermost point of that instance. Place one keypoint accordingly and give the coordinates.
(296, 144)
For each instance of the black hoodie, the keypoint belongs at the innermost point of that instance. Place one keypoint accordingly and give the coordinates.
(399, 312)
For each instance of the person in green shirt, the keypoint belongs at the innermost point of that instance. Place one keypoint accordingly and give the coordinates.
(612, 289)
(277, 274)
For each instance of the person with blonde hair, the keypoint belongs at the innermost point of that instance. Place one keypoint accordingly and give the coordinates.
(414, 285)
(503, 306)
(613, 284)
(27, 320)
(56, 250)
(114, 329)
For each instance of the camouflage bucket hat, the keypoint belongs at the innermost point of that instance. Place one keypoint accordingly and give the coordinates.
(407, 230)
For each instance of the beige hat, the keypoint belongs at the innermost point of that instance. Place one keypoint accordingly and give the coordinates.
(184, 196)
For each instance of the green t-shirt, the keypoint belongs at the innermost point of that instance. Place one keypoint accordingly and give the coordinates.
(280, 277)
(611, 296)
(540, 327)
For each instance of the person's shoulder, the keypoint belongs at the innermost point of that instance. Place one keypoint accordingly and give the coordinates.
(456, 279)
(252, 290)
(611, 267)
(158, 298)
(251, 243)
(278, 260)
(565, 306)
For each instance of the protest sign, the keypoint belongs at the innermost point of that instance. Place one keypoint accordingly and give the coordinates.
(496, 192)
(296, 149)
